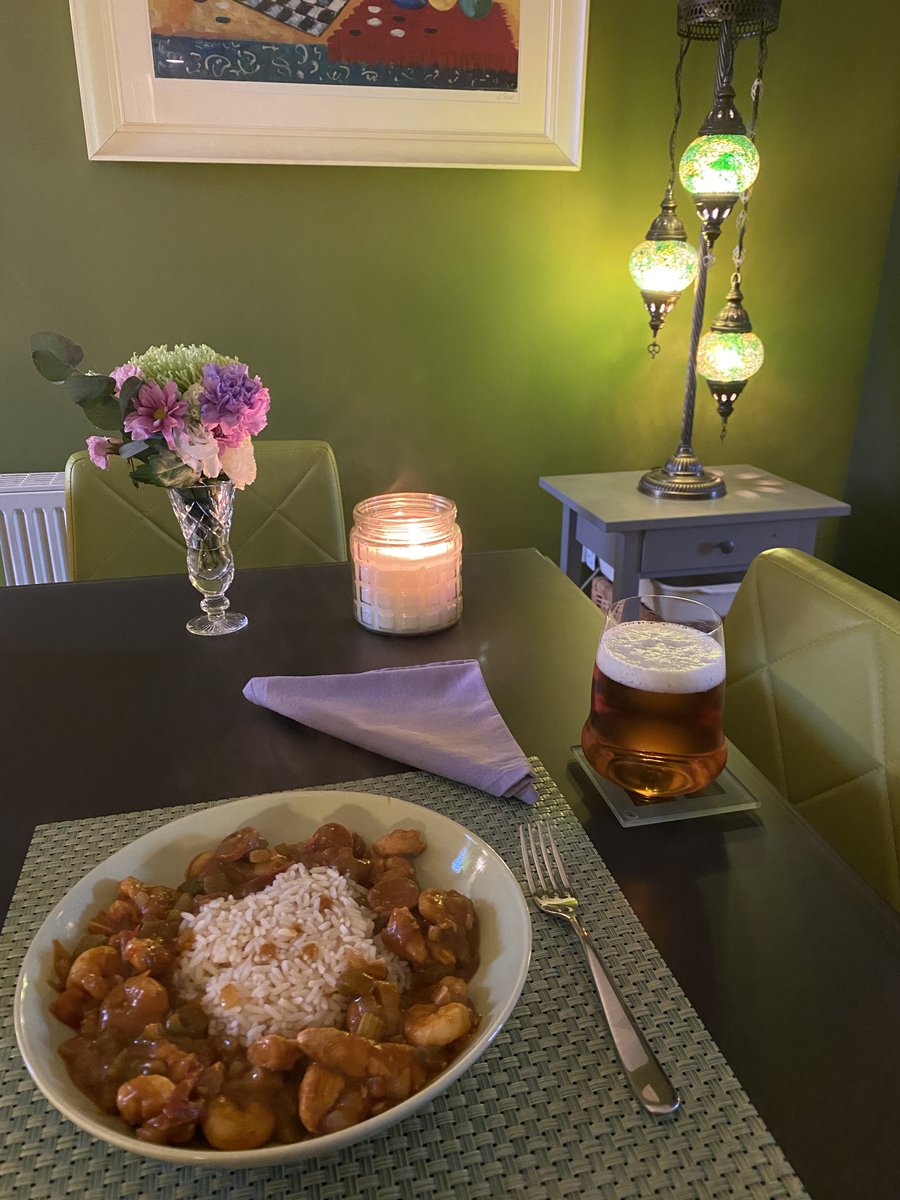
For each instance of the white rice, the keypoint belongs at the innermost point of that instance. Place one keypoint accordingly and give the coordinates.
(270, 962)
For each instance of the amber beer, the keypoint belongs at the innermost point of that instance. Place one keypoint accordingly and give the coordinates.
(655, 726)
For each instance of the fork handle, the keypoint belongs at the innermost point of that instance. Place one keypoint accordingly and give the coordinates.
(648, 1080)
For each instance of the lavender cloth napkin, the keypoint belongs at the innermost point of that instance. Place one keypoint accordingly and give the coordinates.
(437, 716)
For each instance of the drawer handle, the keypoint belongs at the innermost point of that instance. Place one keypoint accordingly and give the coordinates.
(726, 547)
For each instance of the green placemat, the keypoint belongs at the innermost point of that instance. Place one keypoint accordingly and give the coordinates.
(544, 1113)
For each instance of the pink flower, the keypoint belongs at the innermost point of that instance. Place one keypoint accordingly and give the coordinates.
(126, 371)
(156, 410)
(100, 448)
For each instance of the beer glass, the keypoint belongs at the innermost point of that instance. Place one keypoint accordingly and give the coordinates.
(655, 725)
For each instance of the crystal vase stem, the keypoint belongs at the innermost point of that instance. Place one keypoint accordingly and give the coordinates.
(204, 513)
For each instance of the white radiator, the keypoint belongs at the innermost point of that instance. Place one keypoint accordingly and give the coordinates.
(33, 527)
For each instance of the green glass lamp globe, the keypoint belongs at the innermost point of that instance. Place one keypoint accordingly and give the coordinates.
(719, 164)
(729, 357)
(663, 266)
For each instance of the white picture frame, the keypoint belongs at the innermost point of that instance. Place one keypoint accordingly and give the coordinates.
(131, 115)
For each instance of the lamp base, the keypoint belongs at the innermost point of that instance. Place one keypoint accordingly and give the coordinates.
(682, 478)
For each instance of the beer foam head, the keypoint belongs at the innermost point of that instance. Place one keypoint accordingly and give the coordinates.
(656, 656)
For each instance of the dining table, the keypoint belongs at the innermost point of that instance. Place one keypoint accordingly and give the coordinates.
(783, 956)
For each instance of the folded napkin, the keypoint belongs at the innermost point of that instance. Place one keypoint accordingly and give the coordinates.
(437, 716)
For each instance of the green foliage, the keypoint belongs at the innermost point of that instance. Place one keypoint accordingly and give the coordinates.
(164, 469)
(96, 396)
(127, 393)
(55, 356)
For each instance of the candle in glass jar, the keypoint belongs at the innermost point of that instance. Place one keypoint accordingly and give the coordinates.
(406, 549)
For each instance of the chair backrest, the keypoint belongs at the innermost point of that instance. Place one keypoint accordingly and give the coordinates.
(813, 700)
(293, 513)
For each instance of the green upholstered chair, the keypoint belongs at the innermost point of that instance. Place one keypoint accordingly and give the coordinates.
(813, 700)
(292, 514)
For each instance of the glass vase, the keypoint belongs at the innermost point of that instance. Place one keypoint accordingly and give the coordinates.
(204, 515)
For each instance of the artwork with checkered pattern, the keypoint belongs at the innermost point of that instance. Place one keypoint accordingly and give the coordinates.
(304, 15)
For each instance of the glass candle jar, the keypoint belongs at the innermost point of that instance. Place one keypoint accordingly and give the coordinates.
(406, 549)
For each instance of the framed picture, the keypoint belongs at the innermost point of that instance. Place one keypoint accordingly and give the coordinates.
(456, 83)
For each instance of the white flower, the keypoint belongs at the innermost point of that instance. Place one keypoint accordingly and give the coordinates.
(198, 449)
(239, 463)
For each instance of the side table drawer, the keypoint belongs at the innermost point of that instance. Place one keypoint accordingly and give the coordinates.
(700, 547)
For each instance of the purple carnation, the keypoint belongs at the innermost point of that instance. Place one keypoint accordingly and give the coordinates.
(232, 405)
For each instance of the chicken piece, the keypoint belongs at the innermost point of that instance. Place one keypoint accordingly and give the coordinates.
(376, 967)
(397, 865)
(337, 1050)
(406, 842)
(273, 1052)
(319, 1091)
(352, 1107)
(395, 1071)
(404, 937)
(449, 910)
(388, 996)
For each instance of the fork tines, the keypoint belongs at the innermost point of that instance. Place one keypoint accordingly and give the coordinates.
(542, 855)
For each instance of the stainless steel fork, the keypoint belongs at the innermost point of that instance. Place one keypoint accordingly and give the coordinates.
(552, 892)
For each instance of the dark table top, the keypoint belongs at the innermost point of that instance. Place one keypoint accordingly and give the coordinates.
(108, 705)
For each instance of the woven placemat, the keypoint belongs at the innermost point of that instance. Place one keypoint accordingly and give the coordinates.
(544, 1113)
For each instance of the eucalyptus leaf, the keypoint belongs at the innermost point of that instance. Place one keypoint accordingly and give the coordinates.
(91, 387)
(103, 413)
(55, 356)
(135, 449)
(128, 391)
(165, 469)
(50, 366)
(95, 396)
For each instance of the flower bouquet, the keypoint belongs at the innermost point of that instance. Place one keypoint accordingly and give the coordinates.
(184, 419)
(185, 416)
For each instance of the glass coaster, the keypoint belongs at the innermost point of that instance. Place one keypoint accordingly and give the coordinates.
(724, 795)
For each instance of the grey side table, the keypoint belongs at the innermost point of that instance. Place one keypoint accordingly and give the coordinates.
(642, 536)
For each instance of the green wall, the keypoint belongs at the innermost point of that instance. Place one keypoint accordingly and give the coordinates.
(466, 331)
(868, 541)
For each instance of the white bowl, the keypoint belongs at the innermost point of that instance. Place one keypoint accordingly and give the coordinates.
(455, 858)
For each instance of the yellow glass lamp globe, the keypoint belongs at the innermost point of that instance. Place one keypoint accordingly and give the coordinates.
(665, 267)
(719, 164)
(729, 357)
